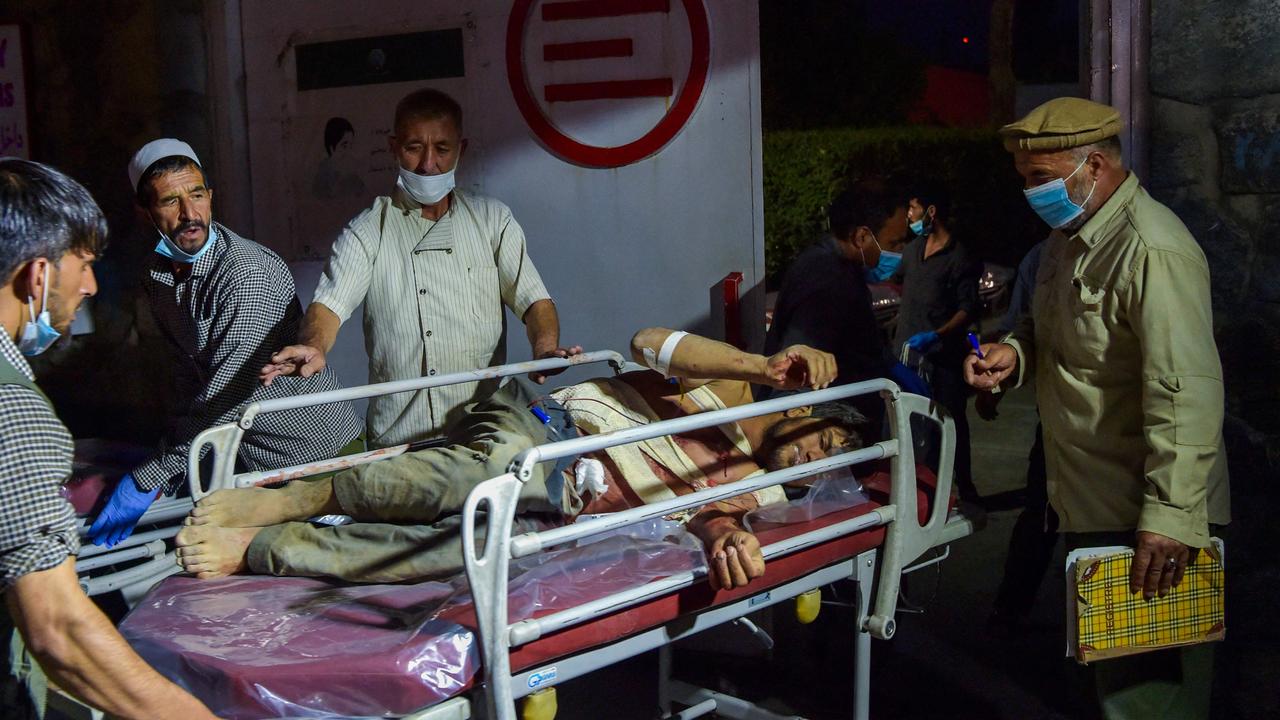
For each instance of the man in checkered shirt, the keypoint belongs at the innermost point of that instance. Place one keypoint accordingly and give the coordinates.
(224, 303)
(51, 231)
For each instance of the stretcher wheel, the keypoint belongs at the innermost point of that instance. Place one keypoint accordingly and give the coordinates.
(541, 705)
(807, 606)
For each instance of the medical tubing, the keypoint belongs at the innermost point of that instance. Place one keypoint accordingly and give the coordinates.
(591, 443)
(421, 383)
(530, 543)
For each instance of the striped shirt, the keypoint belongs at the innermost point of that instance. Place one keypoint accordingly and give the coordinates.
(37, 524)
(223, 321)
(433, 293)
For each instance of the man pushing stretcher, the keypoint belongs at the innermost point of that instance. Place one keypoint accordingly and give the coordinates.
(406, 508)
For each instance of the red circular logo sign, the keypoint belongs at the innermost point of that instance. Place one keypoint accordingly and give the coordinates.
(574, 150)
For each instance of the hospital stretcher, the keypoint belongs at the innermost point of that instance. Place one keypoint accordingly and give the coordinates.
(524, 620)
(145, 557)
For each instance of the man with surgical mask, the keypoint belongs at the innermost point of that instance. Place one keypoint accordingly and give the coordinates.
(1128, 380)
(434, 267)
(51, 232)
(824, 301)
(224, 304)
(939, 277)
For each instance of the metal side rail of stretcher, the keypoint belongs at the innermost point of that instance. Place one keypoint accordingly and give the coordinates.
(224, 440)
(137, 563)
(905, 541)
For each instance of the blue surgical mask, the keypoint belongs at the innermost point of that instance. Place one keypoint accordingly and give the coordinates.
(38, 333)
(917, 227)
(170, 249)
(885, 267)
(1052, 202)
(426, 189)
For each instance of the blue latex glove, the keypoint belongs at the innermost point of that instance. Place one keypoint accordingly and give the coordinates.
(908, 380)
(121, 513)
(923, 341)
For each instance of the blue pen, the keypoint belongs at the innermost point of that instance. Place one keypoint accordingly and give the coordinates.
(977, 347)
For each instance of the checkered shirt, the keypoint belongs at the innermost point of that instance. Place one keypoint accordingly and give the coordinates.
(223, 321)
(37, 524)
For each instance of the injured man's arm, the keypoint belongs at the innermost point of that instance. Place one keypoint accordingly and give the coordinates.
(406, 509)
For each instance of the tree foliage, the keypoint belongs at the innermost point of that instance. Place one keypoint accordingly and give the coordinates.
(804, 170)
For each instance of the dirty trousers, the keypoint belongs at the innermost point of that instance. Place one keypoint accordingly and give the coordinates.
(405, 509)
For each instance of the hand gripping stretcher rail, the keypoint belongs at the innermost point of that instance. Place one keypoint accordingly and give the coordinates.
(896, 533)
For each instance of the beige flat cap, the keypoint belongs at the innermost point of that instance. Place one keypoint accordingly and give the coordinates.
(1062, 123)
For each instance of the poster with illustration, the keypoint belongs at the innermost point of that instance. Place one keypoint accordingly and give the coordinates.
(14, 141)
(338, 158)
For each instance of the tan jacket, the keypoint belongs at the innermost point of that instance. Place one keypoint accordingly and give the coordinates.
(1128, 378)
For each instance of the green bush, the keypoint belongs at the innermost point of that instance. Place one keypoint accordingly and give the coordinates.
(804, 170)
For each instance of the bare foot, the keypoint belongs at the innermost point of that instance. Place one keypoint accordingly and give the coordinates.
(213, 552)
(262, 507)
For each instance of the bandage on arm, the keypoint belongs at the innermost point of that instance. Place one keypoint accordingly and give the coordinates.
(661, 360)
(688, 356)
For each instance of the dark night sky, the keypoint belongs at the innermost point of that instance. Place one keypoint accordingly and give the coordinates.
(1046, 34)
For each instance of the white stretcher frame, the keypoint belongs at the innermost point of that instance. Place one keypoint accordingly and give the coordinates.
(487, 570)
(150, 545)
(224, 440)
(905, 541)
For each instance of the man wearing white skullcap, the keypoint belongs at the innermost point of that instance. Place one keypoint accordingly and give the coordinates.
(224, 304)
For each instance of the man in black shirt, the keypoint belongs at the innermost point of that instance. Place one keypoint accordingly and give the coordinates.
(824, 301)
(939, 303)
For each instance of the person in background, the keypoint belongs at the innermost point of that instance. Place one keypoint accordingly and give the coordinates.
(939, 279)
(825, 303)
(435, 269)
(51, 232)
(1035, 532)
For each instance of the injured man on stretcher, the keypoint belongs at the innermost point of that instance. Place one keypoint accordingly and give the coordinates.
(406, 509)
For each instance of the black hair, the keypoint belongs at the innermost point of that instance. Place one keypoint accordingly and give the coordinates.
(165, 165)
(928, 191)
(44, 213)
(334, 131)
(427, 104)
(867, 203)
(837, 412)
(841, 413)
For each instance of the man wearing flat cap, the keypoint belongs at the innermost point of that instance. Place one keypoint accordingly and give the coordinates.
(224, 304)
(1128, 379)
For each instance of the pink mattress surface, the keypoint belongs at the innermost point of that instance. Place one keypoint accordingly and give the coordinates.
(267, 647)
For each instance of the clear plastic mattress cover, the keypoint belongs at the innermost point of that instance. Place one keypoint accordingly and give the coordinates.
(266, 647)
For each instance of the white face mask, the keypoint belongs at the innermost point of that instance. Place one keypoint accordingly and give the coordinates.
(426, 189)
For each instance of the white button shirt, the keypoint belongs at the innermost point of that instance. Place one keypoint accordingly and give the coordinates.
(433, 294)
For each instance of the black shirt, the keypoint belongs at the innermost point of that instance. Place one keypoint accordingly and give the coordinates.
(935, 289)
(824, 303)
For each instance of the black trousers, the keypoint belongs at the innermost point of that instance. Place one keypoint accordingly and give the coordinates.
(1035, 534)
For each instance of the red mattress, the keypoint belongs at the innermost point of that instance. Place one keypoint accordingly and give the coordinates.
(254, 647)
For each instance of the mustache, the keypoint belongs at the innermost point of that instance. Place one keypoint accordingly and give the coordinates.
(189, 225)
